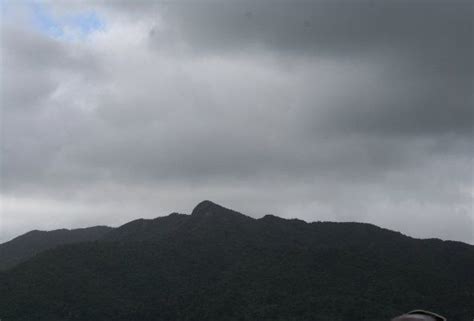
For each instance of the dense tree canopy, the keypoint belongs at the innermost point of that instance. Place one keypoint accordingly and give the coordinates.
(217, 264)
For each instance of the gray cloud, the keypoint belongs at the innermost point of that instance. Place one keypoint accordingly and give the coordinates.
(323, 26)
(426, 51)
(357, 111)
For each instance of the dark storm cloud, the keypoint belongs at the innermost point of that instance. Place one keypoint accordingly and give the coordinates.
(325, 27)
(427, 47)
(405, 103)
(340, 110)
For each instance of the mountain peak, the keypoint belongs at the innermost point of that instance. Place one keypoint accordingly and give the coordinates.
(207, 207)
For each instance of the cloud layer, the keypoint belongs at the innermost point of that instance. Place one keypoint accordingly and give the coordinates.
(347, 111)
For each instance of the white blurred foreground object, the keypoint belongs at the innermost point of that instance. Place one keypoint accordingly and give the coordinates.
(420, 315)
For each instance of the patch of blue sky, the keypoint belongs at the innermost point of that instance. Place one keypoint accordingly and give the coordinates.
(68, 26)
(44, 21)
(3, 8)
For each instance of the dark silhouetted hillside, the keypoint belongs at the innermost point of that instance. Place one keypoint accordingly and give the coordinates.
(27, 245)
(217, 264)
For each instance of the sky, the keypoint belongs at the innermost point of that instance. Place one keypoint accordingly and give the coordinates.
(319, 110)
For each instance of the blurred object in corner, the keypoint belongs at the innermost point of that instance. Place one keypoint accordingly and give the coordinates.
(420, 315)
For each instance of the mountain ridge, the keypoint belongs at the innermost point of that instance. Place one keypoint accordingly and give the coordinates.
(218, 264)
(25, 246)
(33, 242)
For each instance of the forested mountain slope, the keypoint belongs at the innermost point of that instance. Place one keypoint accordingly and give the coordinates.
(27, 245)
(217, 264)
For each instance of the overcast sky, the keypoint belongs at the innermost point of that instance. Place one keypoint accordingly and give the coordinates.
(321, 110)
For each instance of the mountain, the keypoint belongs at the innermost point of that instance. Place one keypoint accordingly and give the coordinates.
(27, 245)
(218, 264)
